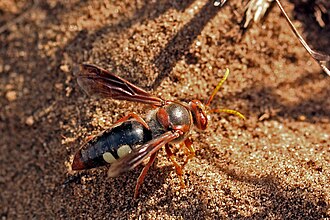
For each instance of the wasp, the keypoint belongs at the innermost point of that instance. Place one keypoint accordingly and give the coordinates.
(132, 140)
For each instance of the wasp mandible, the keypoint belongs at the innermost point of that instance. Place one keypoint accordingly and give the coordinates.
(132, 139)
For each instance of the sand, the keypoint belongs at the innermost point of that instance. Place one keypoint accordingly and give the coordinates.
(273, 165)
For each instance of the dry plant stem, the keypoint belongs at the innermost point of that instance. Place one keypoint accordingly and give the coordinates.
(322, 59)
(19, 17)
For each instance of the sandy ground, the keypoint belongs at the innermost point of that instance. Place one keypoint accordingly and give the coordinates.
(274, 165)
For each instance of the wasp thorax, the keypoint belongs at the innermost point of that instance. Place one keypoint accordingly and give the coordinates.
(199, 114)
(176, 116)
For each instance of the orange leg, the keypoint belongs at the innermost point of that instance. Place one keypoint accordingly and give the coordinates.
(178, 168)
(143, 174)
(136, 117)
(191, 150)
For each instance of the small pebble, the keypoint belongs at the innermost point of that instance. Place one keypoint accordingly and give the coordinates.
(302, 118)
(11, 96)
(64, 68)
(29, 121)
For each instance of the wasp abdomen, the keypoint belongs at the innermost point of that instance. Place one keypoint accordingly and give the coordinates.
(111, 145)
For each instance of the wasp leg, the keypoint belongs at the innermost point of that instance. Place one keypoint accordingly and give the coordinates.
(137, 117)
(178, 168)
(143, 174)
(191, 150)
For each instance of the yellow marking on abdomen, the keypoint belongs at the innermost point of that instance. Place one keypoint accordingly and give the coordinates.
(123, 150)
(108, 157)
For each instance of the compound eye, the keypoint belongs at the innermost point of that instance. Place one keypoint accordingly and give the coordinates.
(199, 115)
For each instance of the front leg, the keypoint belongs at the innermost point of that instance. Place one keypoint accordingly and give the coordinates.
(191, 149)
(177, 166)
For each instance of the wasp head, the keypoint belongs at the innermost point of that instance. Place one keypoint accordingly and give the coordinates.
(199, 114)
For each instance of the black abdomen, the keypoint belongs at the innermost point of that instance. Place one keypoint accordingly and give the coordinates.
(111, 144)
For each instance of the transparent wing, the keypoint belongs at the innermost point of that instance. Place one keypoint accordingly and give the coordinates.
(138, 155)
(96, 81)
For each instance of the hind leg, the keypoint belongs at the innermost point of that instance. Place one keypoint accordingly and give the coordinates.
(137, 117)
(143, 174)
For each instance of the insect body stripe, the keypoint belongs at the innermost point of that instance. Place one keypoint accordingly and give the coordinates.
(124, 150)
(108, 157)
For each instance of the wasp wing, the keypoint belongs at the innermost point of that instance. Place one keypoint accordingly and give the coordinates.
(138, 155)
(99, 82)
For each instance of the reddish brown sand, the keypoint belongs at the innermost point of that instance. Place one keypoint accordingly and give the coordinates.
(274, 165)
